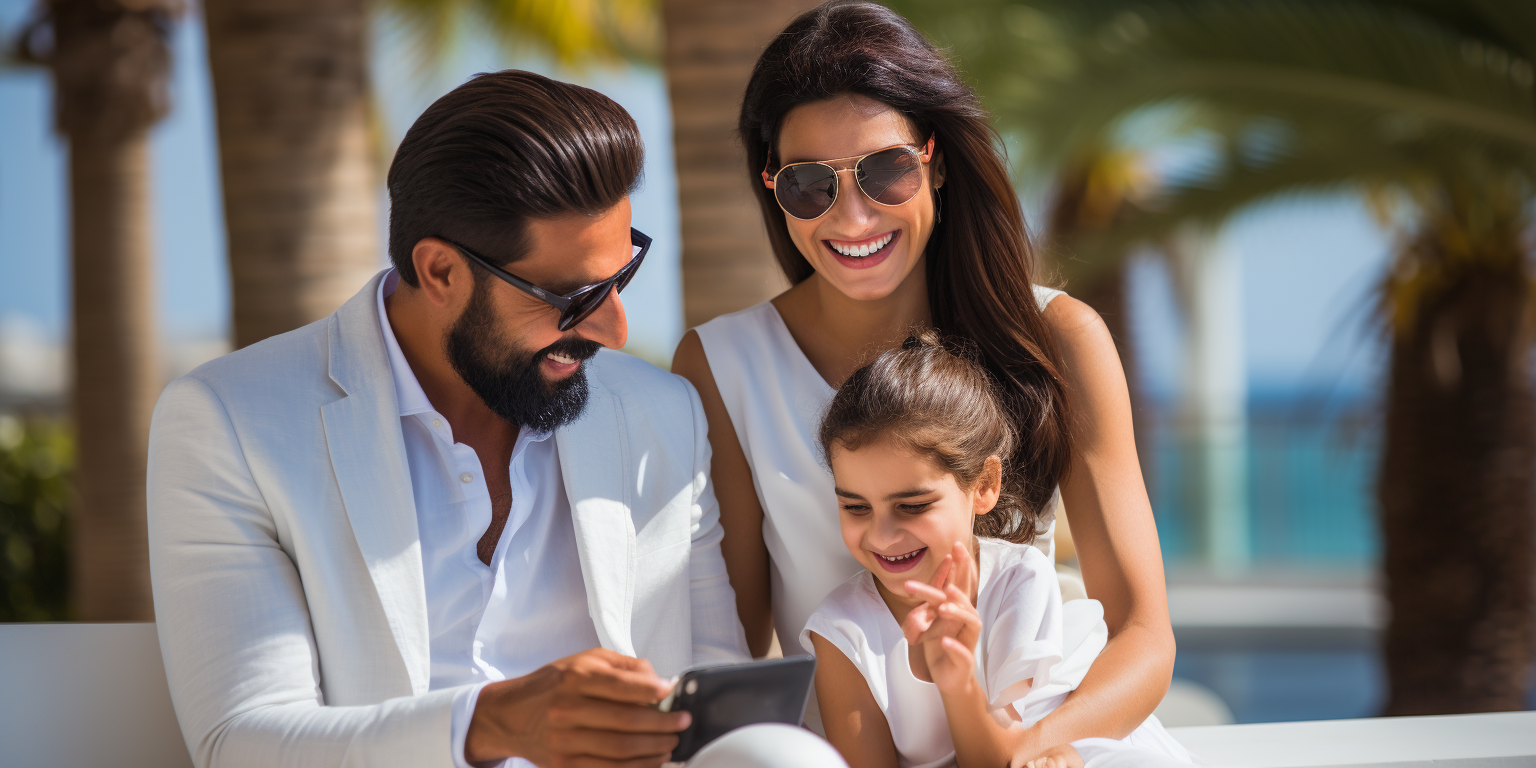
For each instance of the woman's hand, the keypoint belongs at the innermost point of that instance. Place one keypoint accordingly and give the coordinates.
(946, 626)
(1063, 756)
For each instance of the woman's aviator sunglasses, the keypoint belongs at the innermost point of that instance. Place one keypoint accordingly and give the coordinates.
(577, 305)
(889, 176)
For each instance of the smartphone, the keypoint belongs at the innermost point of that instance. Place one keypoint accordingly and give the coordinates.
(726, 697)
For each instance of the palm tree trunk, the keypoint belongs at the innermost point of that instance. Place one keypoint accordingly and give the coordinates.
(300, 193)
(111, 63)
(710, 49)
(1456, 491)
(1105, 287)
(116, 373)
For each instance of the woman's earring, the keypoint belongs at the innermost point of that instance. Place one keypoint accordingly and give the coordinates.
(938, 207)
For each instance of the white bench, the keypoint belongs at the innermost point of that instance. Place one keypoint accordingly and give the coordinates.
(1501, 740)
(75, 695)
(86, 696)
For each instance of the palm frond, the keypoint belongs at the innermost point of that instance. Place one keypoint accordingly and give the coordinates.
(1295, 55)
(572, 32)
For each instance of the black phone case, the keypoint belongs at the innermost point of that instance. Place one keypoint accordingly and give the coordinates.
(724, 698)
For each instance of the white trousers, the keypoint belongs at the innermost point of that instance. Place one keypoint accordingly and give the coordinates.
(768, 745)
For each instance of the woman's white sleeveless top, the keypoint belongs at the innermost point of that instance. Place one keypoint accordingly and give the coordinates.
(775, 399)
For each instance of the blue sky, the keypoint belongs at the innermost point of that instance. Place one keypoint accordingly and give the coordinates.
(1309, 265)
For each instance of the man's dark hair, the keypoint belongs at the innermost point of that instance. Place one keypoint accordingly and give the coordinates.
(501, 149)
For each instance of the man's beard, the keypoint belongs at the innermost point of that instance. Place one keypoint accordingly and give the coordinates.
(507, 378)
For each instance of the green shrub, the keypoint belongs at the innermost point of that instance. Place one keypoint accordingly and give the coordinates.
(36, 459)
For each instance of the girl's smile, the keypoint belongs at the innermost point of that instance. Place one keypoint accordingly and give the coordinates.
(901, 563)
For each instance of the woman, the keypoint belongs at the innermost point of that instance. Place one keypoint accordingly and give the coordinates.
(888, 205)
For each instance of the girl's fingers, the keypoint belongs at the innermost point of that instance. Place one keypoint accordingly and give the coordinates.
(957, 652)
(963, 574)
(927, 593)
(953, 594)
(961, 613)
(966, 629)
(959, 609)
(942, 575)
(916, 624)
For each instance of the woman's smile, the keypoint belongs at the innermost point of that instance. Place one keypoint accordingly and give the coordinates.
(866, 253)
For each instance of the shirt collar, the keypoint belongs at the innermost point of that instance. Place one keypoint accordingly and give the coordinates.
(408, 392)
(409, 395)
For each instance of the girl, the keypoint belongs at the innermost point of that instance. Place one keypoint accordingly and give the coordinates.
(954, 630)
(888, 205)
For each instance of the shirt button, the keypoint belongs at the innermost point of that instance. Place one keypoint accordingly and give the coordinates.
(467, 477)
(437, 423)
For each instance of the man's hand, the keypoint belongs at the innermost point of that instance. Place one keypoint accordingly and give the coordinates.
(590, 709)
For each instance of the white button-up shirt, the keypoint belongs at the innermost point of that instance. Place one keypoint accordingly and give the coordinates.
(529, 606)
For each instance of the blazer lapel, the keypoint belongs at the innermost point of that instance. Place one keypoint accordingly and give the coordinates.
(367, 449)
(592, 460)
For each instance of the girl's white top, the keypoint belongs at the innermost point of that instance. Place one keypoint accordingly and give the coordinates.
(1032, 652)
(775, 399)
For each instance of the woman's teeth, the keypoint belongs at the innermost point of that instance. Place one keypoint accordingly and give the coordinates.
(900, 558)
(561, 359)
(864, 249)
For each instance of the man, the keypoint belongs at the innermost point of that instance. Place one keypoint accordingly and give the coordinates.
(442, 526)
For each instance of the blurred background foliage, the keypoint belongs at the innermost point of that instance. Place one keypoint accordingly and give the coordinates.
(36, 455)
(572, 32)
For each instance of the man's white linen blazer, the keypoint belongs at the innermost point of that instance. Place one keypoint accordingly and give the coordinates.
(286, 563)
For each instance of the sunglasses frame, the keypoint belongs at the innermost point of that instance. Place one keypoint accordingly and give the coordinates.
(569, 317)
(925, 152)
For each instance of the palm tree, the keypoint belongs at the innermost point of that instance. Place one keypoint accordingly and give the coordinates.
(710, 49)
(1425, 101)
(296, 140)
(1095, 191)
(110, 61)
(300, 210)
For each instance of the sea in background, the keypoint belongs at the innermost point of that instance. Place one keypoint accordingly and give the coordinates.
(1311, 460)
(1311, 464)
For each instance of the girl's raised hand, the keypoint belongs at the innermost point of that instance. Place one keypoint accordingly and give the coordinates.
(919, 619)
(952, 585)
(947, 612)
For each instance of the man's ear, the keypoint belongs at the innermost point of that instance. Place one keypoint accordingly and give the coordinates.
(442, 274)
(988, 487)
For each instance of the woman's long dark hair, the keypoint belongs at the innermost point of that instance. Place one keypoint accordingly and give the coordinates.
(979, 257)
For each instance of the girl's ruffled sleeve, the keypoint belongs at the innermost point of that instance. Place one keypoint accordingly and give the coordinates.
(1022, 634)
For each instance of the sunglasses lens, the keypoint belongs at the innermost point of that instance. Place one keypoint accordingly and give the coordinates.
(584, 305)
(891, 176)
(621, 280)
(807, 190)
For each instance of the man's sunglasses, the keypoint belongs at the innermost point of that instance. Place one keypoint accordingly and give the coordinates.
(579, 304)
(889, 176)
